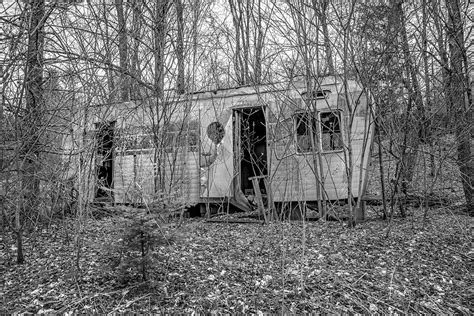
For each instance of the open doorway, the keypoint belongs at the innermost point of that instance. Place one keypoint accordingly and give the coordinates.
(252, 146)
(104, 161)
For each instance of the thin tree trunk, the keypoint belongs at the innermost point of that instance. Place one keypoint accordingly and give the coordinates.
(299, 18)
(18, 225)
(160, 24)
(123, 52)
(381, 168)
(348, 154)
(322, 15)
(2, 145)
(196, 6)
(461, 100)
(259, 44)
(29, 152)
(137, 23)
(180, 84)
(443, 54)
(409, 157)
(237, 13)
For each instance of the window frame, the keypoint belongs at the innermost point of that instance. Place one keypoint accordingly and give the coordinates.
(134, 137)
(312, 117)
(338, 113)
(315, 118)
(182, 136)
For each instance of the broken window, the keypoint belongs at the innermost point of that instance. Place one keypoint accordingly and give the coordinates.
(171, 136)
(305, 132)
(193, 135)
(331, 136)
(133, 139)
(215, 132)
(175, 135)
(317, 94)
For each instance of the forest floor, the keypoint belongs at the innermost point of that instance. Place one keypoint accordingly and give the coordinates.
(418, 266)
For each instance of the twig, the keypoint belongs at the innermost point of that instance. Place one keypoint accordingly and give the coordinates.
(376, 299)
(363, 275)
(128, 303)
(391, 282)
(82, 299)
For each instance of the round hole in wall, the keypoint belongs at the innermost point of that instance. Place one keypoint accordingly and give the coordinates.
(216, 132)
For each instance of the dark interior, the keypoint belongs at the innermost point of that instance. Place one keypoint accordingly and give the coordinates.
(105, 145)
(253, 148)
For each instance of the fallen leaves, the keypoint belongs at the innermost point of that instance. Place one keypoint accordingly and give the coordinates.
(220, 268)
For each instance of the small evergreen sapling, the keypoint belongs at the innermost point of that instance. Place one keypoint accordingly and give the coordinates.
(141, 233)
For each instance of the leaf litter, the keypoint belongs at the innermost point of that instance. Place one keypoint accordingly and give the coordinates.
(424, 266)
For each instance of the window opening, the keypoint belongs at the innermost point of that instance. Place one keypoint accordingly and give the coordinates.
(317, 94)
(180, 135)
(193, 135)
(331, 136)
(215, 132)
(171, 136)
(305, 132)
(176, 135)
(134, 139)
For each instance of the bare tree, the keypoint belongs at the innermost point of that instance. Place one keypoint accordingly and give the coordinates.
(34, 95)
(460, 98)
(248, 40)
(321, 10)
(180, 81)
(123, 51)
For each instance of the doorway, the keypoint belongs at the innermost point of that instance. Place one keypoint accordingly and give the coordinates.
(104, 161)
(251, 147)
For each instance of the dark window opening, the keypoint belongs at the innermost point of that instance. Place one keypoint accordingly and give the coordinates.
(305, 132)
(331, 136)
(317, 94)
(193, 135)
(215, 132)
(171, 135)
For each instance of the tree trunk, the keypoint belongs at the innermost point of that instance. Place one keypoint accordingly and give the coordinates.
(461, 100)
(259, 44)
(426, 69)
(137, 23)
(160, 30)
(321, 11)
(108, 54)
(410, 150)
(180, 84)
(443, 60)
(30, 147)
(237, 22)
(123, 52)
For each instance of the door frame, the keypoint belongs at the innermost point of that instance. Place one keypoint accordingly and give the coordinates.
(109, 125)
(237, 142)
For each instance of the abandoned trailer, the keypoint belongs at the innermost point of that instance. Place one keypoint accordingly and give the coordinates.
(274, 143)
